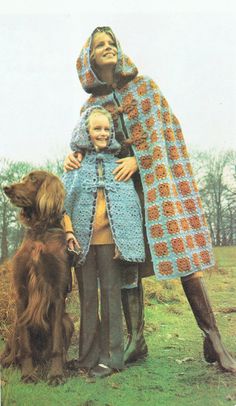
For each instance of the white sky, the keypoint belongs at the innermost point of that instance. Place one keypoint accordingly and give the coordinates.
(187, 47)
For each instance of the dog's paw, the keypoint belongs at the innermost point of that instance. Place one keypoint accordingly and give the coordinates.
(30, 378)
(56, 380)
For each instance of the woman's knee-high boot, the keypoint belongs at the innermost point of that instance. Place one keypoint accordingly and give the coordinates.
(133, 307)
(214, 349)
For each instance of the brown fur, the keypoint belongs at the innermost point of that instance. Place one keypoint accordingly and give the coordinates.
(41, 276)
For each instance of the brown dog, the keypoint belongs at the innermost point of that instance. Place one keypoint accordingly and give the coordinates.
(41, 277)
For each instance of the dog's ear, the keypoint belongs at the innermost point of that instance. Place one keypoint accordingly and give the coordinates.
(50, 197)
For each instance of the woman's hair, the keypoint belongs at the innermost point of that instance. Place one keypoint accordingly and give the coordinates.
(106, 30)
(98, 111)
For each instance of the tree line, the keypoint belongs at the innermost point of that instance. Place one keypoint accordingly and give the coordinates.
(215, 173)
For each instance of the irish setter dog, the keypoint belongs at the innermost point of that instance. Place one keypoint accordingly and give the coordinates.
(41, 277)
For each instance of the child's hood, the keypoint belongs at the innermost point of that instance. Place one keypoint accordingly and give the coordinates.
(81, 139)
(124, 72)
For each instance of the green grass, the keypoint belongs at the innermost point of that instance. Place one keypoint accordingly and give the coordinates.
(174, 372)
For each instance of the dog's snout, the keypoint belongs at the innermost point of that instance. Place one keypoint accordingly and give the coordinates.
(7, 190)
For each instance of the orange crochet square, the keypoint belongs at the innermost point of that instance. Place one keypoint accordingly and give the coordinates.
(110, 107)
(157, 154)
(178, 170)
(184, 188)
(199, 201)
(156, 98)
(142, 89)
(156, 231)
(196, 260)
(183, 264)
(174, 189)
(195, 188)
(184, 151)
(161, 249)
(153, 84)
(173, 227)
(150, 122)
(200, 240)
(195, 222)
(151, 195)
(133, 113)
(137, 131)
(184, 224)
(167, 117)
(89, 78)
(146, 105)
(175, 121)
(164, 103)
(179, 134)
(78, 65)
(169, 135)
(203, 217)
(160, 171)
(128, 99)
(189, 168)
(149, 178)
(190, 205)
(165, 268)
(154, 136)
(177, 245)
(153, 213)
(205, 256)
(173, 153)
(179, 207)
(164, 189)
(168, 208)
(146, 162)
(142, 146)
(189, 241)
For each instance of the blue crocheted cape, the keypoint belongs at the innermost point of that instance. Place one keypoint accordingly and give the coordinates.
(122, 202)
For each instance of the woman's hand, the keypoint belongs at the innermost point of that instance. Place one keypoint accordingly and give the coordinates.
(72, 241)
(73, 161)
(126, 168)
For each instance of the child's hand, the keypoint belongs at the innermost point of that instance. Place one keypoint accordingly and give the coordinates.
(72, 241)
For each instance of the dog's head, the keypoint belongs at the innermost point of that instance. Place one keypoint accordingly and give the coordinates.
(40, 195)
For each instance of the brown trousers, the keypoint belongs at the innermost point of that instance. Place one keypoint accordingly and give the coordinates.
(101, 338)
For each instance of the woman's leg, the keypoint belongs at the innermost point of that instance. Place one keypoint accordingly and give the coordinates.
(89, 343)
(214, 349)
(112, 346)
(133, 307)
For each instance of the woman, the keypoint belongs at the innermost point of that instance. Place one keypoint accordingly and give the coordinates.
(154, 148)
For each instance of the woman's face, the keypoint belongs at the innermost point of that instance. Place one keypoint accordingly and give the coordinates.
(104, 50)
(99, 130)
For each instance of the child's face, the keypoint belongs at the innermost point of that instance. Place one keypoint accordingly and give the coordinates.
(99, 130)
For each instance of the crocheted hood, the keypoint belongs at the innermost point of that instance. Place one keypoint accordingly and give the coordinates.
(124, 72)
(81, 139)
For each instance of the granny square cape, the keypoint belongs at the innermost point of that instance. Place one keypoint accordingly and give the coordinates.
(176, 227)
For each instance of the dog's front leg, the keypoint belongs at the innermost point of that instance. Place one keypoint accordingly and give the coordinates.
(55, 376)
(28, 374)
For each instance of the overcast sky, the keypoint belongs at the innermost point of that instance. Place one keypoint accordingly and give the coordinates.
(188, 49)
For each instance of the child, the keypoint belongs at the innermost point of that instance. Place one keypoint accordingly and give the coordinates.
(107, 221)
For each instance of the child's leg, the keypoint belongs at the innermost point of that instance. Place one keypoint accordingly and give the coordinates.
(89, 346)
(112, 345)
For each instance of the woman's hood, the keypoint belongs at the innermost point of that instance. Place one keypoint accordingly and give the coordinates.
(81, 139)
(124, 72)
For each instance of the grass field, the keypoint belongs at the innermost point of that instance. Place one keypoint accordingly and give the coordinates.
(174, 372)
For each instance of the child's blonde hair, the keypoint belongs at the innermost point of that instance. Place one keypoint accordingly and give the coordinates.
(95, 111)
